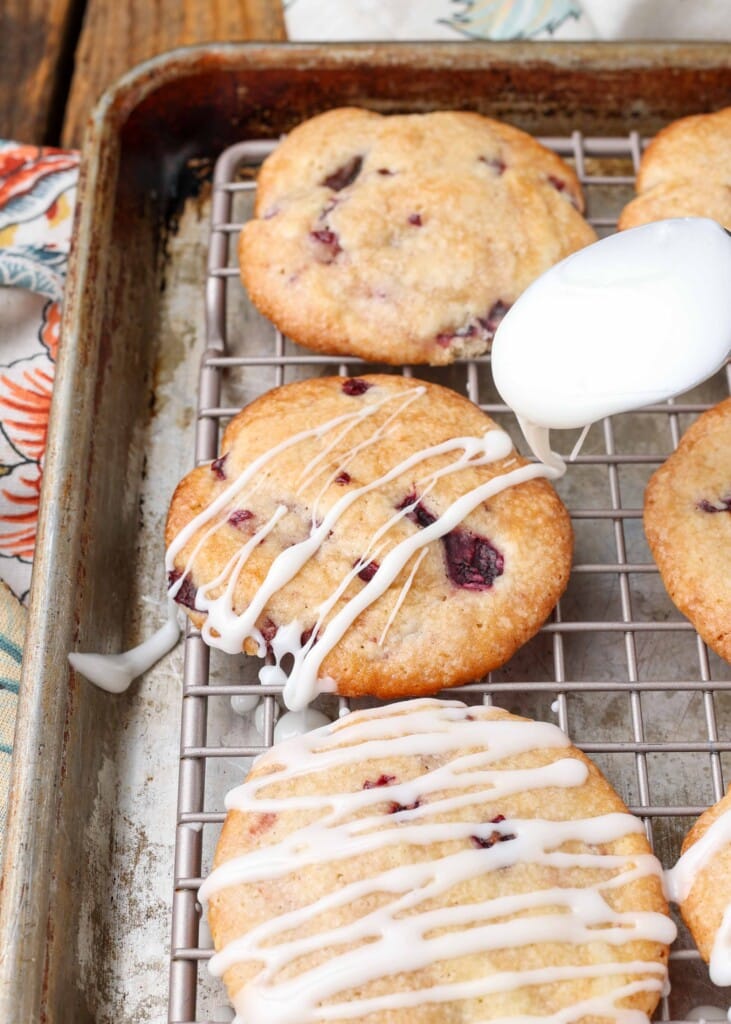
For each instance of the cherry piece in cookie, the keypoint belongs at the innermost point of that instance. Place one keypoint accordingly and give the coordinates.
(345, 174)
(185, 594)
(472, 561)
(294, 542)
(402, 899)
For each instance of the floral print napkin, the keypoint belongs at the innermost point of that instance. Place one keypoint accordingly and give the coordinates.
(37, 193)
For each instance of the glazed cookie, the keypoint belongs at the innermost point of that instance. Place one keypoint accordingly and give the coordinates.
(701, 884)
(430, 862)
(405, 239)
(366, 527)
(688, 526)
(685, 172)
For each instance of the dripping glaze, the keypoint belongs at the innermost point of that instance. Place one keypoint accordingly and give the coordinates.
(399, 935)
(228, 629)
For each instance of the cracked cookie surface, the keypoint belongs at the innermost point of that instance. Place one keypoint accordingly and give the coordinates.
(405, 239)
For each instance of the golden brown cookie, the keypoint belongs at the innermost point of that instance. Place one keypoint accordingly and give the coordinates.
(685, 172)
(430, 862)
(701, 882)
(405, 239)
(346, 481)
(688, 526)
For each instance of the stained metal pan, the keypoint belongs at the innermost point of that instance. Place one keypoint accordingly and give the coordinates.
(88, 868)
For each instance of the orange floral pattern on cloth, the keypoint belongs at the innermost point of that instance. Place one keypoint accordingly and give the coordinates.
(37, 193)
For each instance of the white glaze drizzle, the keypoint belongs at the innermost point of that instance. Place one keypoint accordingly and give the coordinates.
(228, 629)
(681, 878)
(115, 672)
(401, 597)
(400, 937)
(720, 963)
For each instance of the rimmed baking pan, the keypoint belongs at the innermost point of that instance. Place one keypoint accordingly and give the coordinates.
(88, 876)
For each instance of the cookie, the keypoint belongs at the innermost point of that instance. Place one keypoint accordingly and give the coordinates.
(684, 172)
(701, 884)
(405, 239)
(351, 524)
(429, 862)
(688, 526)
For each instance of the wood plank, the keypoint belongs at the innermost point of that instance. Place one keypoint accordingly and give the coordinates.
(36, 41)
(117, 35)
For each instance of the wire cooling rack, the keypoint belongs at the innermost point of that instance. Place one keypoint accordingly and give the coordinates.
(617, 666)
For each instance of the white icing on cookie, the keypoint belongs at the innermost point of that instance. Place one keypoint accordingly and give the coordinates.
(681, 878)
(228, 629)
(400, 936)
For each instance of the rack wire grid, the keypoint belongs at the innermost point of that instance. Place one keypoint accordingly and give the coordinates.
(617, 666)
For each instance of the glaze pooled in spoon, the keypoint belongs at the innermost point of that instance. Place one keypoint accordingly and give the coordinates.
(634, 319)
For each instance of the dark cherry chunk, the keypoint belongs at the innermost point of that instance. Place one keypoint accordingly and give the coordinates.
(482, 327)
(240, 516)
(560, 185)
(394, 808)
(473, 563)
(484, 843)
(368, 571)
(418, 514)
(382, 780)
(268, 630)
(495, 163)
(305, 637)
(355, 386)
(708, 506)
(330, 243)
(186, 592)
(415, 219)
(342, 478)
(495, 315)
(217, 467)
(344, 175)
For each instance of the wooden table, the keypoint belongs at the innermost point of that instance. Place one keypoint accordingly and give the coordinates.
(58, 56)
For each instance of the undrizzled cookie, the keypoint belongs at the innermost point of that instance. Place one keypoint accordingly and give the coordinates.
(362, 533)
(429, 862)
(405, 239)
(685, 172)
(688, 526)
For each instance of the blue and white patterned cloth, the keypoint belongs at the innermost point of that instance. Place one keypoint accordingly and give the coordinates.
(328, 20)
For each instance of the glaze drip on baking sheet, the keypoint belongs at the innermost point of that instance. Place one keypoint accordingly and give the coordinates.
(380, 563)
(411, 931)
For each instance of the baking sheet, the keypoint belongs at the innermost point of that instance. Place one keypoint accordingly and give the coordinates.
(84, 927)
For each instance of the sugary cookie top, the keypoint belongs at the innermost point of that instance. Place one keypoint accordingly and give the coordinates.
(685, 172)
(405, 238)
(428, 862)
(362, 525)
(688, 525)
